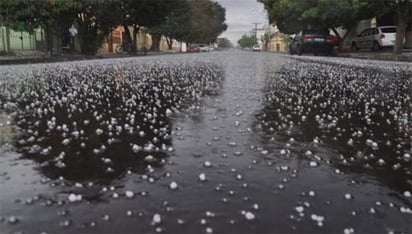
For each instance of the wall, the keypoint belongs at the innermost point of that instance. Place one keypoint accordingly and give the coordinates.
(278, 43)
(21, 40)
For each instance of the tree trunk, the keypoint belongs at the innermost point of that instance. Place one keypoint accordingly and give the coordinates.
(59, 32)
(155, 42)
(400, 33)
(134, 42)
(127, 34)
(49, 39)
(169, 42)
(110, 41)
(88, 37)
(8, 40)
(408, 43)
(342, 39)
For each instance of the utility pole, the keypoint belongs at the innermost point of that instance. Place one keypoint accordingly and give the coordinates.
(256, 28)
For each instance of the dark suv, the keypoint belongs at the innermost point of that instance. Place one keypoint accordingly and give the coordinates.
(313, 41)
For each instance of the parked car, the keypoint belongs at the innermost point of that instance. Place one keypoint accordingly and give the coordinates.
(374, 38)
(193, 48)
(204, 48)
(313, 41)
(256, 48)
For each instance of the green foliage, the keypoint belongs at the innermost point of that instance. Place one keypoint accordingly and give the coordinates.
(144, 12)
(186, 20)
(35, 13)
(288, 14)
(294, 15)
(176, 24)
(206, 21)
(95, 19)
(247, 41)
(223, 42)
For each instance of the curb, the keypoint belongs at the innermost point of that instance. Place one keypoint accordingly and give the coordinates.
(383, 57)
(34, 60)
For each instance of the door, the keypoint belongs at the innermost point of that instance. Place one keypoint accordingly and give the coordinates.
(362, 38)
(372, 34)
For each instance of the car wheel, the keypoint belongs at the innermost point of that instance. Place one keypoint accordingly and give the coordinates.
(354, 47)
(299, 50)
(376, 46)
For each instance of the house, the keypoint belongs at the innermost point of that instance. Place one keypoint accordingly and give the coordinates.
(278, 42)
(116, 38)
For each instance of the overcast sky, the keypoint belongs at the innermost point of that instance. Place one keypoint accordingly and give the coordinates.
(240, 16)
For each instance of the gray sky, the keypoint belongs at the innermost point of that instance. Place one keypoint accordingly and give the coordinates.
(240, 16)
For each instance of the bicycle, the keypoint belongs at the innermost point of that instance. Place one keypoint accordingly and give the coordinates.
(123, 48)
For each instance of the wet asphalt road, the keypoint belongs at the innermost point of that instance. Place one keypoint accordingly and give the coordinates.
(279, 145)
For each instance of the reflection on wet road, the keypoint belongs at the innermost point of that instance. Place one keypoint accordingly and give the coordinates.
(216, 142)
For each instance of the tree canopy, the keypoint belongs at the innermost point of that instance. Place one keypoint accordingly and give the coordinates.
(193, 21)
(207, 21)
(247, 41)
(291, 16)
(200, 21)
(224, 42)
(95, 19)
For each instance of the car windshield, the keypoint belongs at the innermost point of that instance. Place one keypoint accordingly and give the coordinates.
(389, 30)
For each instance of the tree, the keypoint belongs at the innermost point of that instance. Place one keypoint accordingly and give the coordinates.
(287, 14)
(403, 11)
(147, 13)
(247, 41)
(176, 24)
(95, 19)
(192, 21)
(219, 25)
(207, 21)
(293, 15)
(223, 42)
(404, 17)
(335, 13)
(266, 39)
(53, 16)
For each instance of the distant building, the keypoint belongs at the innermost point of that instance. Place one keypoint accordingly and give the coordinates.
(274, 40)
(117, 37)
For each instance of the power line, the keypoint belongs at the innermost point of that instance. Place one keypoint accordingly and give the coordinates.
(256, 28)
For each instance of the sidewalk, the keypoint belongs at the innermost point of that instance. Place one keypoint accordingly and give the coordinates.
(406, 55)
(34, 57)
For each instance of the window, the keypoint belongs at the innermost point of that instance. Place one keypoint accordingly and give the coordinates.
(389, 30)
(364, 33)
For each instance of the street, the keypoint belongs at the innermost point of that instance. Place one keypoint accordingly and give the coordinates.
(219, 142)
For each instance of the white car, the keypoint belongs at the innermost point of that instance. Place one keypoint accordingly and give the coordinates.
(204, 48)
(374, 38)
(256, 48)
